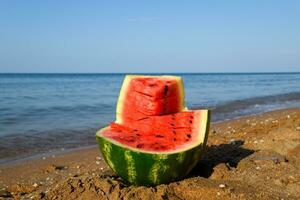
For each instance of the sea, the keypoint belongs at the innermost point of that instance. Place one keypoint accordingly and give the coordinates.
(42, 113)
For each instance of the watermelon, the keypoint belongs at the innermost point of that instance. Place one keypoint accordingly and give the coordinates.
(154, 139)
(142, 96)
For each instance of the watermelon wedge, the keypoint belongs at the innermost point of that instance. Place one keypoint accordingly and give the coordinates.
(155, 139)
(150, 96)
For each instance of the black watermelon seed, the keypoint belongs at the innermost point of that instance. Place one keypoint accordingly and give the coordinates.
(174, 139)
(174, 132)
(191, 121)
(159, 136)
(189, 135)
(166, 90)
(172, 124)
(135, 130)
(139, 145)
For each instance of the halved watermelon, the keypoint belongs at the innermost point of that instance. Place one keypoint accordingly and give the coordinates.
(153, 145)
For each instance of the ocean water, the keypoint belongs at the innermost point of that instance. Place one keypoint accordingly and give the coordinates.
(45, 112)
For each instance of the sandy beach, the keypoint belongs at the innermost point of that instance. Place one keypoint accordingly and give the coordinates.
(253, 157)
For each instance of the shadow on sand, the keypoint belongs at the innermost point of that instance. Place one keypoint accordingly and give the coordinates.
(230, 154)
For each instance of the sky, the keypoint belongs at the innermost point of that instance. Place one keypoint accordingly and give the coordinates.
(149, 36)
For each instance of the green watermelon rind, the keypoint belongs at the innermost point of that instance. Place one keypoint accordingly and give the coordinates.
(151, 168)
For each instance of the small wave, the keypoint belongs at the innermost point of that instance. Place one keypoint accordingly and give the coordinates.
(237, 108)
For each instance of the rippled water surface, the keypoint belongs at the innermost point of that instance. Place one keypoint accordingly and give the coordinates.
(42, 112)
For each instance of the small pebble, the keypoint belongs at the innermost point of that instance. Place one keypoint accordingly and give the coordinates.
(232, 141)
(222, 186)
(35, 185)
(258, 168)
(101, 168)
(218, 193)
(97, 162)
(255, 142)
(44, 158)
(288, 116)
(261, 141)
(298, 128)
(53, 156)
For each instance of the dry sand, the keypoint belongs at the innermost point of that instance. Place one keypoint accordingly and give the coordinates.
(255, 157)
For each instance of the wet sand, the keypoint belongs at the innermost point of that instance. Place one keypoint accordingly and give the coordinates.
(254, 157)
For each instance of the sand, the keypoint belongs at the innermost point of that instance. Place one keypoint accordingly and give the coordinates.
(254, 157)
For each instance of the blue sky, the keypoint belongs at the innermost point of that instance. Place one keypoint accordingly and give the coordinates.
(149, 36)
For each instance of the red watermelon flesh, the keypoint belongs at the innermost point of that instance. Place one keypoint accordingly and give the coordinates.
(150, 96)
(149, 106)
(159, 133)
(157, 88)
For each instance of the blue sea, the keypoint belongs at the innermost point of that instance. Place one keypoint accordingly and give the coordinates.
(47, 112)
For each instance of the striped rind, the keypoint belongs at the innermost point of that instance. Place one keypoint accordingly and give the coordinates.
(125, 87)
(149, 169)
(152, 168)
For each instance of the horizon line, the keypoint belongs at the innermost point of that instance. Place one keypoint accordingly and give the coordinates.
(266, 72)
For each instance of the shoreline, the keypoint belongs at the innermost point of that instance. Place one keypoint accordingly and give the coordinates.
(52, 153)
(62, 151)
(253, 156)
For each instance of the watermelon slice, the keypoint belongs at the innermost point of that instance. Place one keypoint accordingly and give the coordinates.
(150, 145)
(142, 96)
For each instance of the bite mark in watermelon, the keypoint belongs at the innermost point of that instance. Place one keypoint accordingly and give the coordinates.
(150, 145)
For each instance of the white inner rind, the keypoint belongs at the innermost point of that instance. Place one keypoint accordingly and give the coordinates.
(125, 87)
(200, 125)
